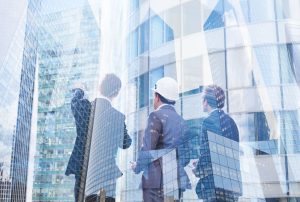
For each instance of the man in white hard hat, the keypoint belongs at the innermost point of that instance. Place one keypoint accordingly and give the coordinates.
(165, 130)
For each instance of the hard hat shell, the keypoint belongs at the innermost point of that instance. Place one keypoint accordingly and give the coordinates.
(168, 88)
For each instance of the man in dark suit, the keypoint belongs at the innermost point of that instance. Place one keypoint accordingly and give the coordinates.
(165, 130)
(109, 134)
(219, 123)
(81, 108)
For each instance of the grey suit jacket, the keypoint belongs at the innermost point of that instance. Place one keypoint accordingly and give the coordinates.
(165, 129)
(109, 134)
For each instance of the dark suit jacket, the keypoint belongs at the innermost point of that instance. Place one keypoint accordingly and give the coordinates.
(109, 134)
(81, 111)
(219, 123)
(165, 129)
(222, 124)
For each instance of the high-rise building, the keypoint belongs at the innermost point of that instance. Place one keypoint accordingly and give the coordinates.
(246, 47)
(249, 48)
(68, 54)
(17, 82)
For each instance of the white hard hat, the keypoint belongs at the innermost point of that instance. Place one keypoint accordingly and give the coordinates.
(168, 88)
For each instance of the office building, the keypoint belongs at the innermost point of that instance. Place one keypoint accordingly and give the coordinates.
(17, 83)
(246, 47)
(68, 54)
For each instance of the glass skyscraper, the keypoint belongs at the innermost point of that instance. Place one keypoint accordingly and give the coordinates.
(249, 48)
(69, 40)
(17, 75)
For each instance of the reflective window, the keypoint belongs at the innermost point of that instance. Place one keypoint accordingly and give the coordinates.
(174, 100)
(157, 32)
(143, 90)
(144, 37)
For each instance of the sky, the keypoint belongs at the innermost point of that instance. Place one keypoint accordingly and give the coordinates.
(13, 11)
(12, 28)
(11, 14)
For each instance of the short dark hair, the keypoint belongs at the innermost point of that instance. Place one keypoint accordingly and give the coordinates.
(110, 86)
(165, 100)
(215, 96)
(78, 92)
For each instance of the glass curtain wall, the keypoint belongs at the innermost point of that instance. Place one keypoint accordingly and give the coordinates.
(249, 49)
(68, 59)
(17, 77)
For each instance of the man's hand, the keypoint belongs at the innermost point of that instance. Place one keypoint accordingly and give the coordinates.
(194, 168)
(195, 163)
(133, 165)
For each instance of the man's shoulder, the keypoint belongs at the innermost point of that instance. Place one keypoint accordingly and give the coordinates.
(80, 102)
(212, 124)
(117, 113)
(86, 102)
(160, 113)
(167, 109)
(154, 114)
(229, 119)
(208, 120)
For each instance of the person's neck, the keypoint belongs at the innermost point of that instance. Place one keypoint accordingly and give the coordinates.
(106, 98)
(161, 105)
(210, 110)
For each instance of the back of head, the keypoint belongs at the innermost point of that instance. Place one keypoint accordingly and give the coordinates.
(215, 96)
(78, 93)
(164, 100)
(110, 86)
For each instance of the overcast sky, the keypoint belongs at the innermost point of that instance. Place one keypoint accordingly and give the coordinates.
(12, 24)
(11, 13)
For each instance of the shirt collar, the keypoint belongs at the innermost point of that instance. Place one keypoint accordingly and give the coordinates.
(105, 98)
(216, 109)
(162, 105)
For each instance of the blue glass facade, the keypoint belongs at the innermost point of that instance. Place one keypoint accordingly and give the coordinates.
(69, 40)
(17, 83)
(244, 48)
(247, 152)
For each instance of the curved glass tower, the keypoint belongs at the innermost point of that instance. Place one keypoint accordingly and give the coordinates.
(246, 47)
(68, 56)
(246, 150)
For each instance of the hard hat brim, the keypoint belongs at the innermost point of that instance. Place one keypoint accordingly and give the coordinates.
(177, 98)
